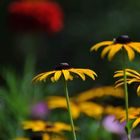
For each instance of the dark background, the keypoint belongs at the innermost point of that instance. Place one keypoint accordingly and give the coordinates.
(86, 22)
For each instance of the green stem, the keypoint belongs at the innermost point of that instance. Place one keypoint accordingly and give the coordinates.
(69, 110)
(126, 94)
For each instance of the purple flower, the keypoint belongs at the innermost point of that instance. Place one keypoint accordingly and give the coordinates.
(39, 110)
(112, 125)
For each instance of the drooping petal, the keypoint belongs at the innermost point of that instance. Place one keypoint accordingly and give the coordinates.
(90, 73)
(120, 74)
(77, 71)
(135, 44)
(57, 75)
(66, 74)
(105, 51)
(136, 48)
(138, 90)
(42, 76)
(98, 45)
(132, 80)
(136, 122)
(130, 52)
(115, 48)
(119, 84)
(133, 71)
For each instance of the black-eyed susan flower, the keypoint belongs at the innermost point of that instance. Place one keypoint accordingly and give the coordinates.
(122, 42)
(63, 69)
(132, 76)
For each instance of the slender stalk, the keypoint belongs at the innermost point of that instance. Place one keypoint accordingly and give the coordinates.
(126, 93)
(69, 109)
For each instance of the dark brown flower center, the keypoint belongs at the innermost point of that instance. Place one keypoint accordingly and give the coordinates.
(49, 126)
(123, 39)
(62, 66)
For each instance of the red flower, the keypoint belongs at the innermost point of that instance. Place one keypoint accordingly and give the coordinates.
(28, 16)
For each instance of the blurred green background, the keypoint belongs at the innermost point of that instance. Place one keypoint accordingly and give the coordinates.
(86, 22)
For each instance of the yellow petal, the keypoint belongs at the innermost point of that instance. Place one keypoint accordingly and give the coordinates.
(115, 48)
(105, 51)
(132, 80)
(135, 44)
(119, 84)
(45, 136)
(98, 45)
(130, 52)
(136, 48)
(66, 74)
(42, 76)
(136, 122)
(78, 72)
(138, 90)
(90, 73)
(118, 74)
(133, 71)
(57, 75)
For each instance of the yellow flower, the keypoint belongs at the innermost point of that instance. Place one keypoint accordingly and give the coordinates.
(122, 42)
(63, 69)
(132, 76)
(39, 125)
(80, 103)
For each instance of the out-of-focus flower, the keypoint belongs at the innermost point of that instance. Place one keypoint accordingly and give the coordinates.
(89, 108)
(100, 92)
(29, 16)
(81, 103)
(113, 126)
(39, 110)
(122, 42)
(63, 69)
(39, 125)
(132, 76)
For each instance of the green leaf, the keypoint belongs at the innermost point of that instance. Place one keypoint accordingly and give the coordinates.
(128, 127)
